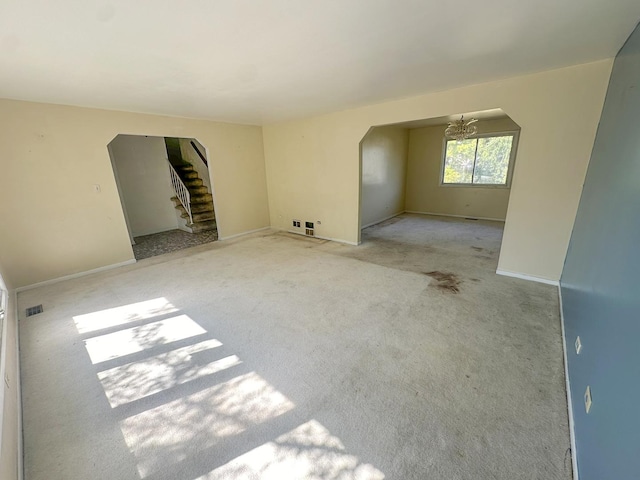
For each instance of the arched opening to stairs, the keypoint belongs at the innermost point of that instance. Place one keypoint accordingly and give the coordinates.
(166, 192)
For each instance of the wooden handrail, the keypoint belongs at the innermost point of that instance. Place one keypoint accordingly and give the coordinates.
(202, 157)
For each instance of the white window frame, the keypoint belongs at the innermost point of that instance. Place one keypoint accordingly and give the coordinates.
(512, 159)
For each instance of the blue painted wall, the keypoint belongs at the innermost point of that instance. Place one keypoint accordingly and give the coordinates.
(601, 285)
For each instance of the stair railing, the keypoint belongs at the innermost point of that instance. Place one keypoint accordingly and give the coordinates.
(182, 192)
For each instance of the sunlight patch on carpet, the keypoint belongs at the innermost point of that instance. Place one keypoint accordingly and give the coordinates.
(112, 317)
(136, 380)
(170, 433)
(309, 452)
(133, 340)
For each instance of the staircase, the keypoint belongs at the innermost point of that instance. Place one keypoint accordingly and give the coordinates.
(204, 217)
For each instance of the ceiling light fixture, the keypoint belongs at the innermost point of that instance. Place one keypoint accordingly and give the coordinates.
(461, 130)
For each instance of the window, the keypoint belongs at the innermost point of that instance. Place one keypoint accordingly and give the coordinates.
(484, 160)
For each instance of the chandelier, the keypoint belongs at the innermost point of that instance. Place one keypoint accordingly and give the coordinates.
(461, 130)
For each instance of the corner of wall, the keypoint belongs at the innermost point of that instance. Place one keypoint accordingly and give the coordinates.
(11, 467)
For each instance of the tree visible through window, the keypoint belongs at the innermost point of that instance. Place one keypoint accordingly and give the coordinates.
(478, 161)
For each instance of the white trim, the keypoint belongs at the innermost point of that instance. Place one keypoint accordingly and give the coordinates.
(528, 277)
(3, 367)
(15, 378)
(515, 134)
(456, 216)
(381, 220)
(76, 275)
(18, 382)
(572, 432)
(355, 244)
(338, 240)
(220, 239)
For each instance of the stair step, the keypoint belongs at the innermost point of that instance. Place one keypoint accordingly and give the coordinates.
(198, 190)
(199, 217)
(201, 198)
(193, 182)
(197, 227)
(188, 175)
(187, 167)
(201, 208)
(206, 207)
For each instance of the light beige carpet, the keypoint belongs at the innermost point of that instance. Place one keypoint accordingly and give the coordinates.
(279, 357)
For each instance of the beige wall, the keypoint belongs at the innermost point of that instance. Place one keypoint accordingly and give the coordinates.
(313, 164)
(9, 397)
(425, 194)
(53, 224)
(143, 174)
(384, 171)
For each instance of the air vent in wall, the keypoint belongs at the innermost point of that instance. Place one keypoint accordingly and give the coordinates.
(31, 311)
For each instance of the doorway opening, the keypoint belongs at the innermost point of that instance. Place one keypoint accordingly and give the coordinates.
(166, 192)
(419, 186)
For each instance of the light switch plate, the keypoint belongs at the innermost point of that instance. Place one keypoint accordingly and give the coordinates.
(587, 399)
(578, 345)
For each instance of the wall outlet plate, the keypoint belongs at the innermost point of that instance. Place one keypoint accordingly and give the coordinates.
(578, 345)
(587, 399)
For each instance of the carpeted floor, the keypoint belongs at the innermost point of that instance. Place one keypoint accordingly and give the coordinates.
(170, 241)
(275, 356)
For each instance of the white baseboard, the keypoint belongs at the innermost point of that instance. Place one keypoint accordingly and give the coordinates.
(339, 240)
(319, 237)
(572, 432)
(75, 275)
(381, 220)
(531, 278)
(221, 239)
(456, 216)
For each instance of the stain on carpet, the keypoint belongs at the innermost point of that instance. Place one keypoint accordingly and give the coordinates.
(447, 282)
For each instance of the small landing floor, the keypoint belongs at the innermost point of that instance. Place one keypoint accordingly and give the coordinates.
(170, 241)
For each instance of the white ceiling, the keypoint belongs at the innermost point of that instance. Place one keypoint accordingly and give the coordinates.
(253, 61)
(493, 114)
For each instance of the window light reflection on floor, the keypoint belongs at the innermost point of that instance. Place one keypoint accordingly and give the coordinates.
(309, 452)
(133, 340)
(170, 433)
(133, 381)
(112, 317)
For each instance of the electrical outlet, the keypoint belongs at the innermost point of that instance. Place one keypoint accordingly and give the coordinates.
(578, 345)
(296, 223)
(308, 225)
(587, 399)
